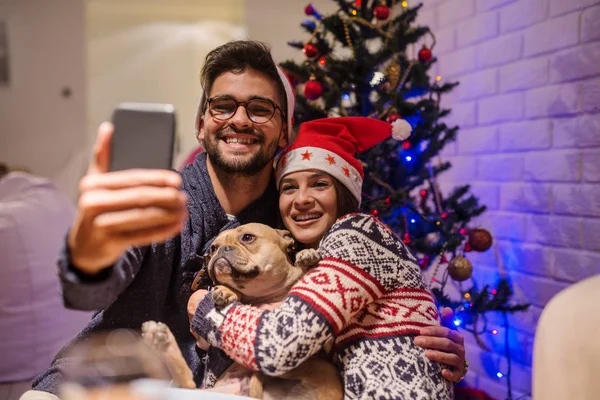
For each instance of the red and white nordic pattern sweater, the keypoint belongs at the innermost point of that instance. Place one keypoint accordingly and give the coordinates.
(367, 295)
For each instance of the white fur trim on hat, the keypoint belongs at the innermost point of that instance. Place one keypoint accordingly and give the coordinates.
(290, 100)
(401, 129)
(304, 158)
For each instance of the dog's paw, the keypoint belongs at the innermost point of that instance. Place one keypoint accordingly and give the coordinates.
(307, 258)
(224, 296)
(157, 335)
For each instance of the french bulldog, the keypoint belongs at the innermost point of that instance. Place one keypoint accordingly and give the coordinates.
(252, 264)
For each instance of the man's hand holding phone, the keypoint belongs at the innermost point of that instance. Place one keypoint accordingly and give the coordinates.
(121, 209)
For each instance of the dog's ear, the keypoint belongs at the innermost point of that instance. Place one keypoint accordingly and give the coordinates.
(288, 244)
(285, 238)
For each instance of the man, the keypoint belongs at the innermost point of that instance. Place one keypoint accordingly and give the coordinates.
(245, 115)
(34, 217)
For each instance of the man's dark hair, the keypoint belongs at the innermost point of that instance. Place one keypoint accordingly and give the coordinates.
(237, 57)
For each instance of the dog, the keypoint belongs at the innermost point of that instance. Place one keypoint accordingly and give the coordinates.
(252, 264)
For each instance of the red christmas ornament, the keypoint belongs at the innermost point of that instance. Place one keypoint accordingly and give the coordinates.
(392, 117)
(375, 212)
(423, 192)
(406, 145)
(467, 247)
(313, 89)
(425, 54)
(381, 12)
(463, 231)
(406, 238)
(310, 50)
(480, 239)
(309, 9)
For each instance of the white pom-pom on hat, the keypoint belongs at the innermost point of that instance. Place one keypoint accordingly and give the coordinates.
(401, 129)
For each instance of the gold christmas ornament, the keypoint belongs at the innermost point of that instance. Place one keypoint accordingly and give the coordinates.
(392, 73)
(460, 269)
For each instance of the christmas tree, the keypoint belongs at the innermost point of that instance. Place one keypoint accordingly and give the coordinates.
(369, 59)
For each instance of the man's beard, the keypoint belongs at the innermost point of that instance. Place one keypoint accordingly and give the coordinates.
(248, 167)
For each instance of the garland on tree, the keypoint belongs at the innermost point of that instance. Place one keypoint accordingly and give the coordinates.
(368, 59)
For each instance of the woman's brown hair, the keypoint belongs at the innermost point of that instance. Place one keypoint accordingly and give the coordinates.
(346, 202)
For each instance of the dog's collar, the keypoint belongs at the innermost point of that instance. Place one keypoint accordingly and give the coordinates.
(202, 279)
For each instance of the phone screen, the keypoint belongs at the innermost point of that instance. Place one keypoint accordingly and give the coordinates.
(144, 136)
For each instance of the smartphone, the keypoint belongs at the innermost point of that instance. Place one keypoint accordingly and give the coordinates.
(144, 136)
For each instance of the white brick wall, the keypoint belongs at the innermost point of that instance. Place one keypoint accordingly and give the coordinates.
(529, 110)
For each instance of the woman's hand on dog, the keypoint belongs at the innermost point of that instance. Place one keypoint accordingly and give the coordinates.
(445, 346)
(192, 305)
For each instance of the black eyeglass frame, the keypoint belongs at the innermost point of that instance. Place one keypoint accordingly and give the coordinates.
(245, 104)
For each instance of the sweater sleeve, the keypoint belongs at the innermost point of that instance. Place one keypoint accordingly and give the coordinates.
(83, 292)
(319, 306)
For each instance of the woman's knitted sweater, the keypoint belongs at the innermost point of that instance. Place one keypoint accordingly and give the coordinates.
(364, 302)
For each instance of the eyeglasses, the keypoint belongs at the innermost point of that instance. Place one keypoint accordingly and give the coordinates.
(259, 111)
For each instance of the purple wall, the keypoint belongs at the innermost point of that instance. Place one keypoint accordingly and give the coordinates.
(529, 111)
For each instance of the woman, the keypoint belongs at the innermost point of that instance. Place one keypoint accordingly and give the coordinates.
(364, 302)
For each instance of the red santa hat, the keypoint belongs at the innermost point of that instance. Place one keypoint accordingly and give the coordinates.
(329, 145)
(290, 98)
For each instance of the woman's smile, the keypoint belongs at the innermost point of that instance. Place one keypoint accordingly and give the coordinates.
(308, 205)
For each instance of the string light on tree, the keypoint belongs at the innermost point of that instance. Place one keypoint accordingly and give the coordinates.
(348, 100)
(310, 24)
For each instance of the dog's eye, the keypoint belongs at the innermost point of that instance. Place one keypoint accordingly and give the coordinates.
(247, 238)
(213, 248)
